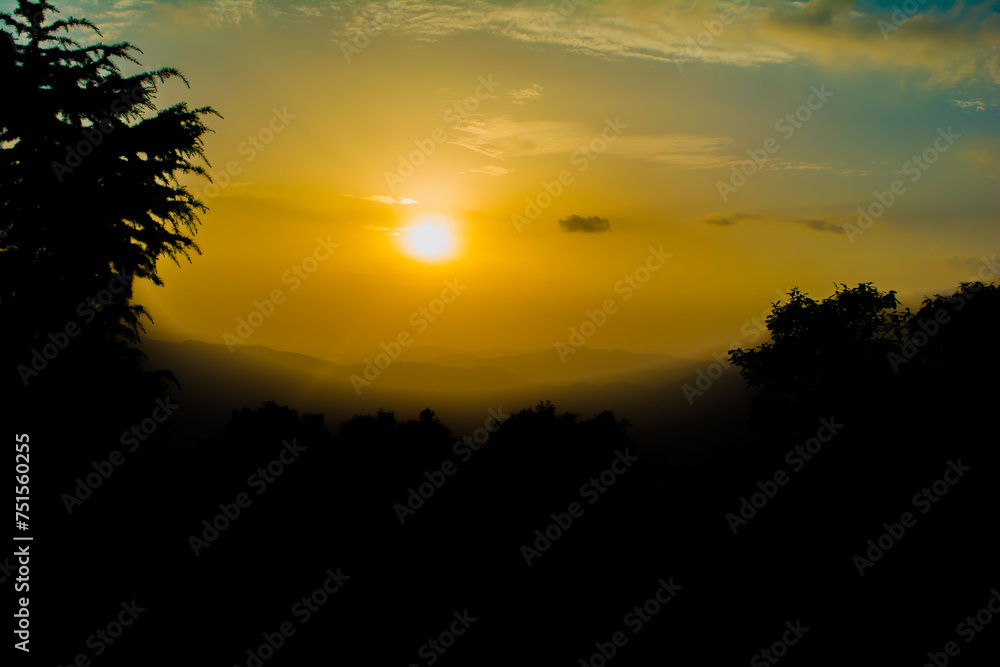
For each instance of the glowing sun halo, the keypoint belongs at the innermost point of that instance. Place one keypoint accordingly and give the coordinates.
(430, 241)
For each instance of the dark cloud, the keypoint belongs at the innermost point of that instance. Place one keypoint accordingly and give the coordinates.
(591, 225)
(822, 225)
(730, 218)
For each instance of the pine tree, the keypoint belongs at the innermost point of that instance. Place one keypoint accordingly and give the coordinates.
(89, 192)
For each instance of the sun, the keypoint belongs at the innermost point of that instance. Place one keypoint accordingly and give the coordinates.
(430, 240)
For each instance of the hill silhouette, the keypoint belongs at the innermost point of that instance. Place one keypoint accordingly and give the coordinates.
(647, 387)
(549, 528)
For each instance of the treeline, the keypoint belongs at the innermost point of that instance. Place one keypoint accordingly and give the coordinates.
(555, 532)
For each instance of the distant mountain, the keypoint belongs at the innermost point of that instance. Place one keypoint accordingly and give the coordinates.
(582, 365)
(460, 387)
(431, 352)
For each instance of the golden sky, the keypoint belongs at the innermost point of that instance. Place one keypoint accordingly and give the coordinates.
(372, 151)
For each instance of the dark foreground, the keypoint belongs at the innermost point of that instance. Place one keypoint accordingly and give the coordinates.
(867, 536)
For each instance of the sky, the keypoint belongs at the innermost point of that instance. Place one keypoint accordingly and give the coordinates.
(516, 169)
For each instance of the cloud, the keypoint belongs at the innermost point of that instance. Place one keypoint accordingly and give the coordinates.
(112, 18)
(953, 45)
(777, 163)
(591, 225)
(503, 137)
(525, 95)
(729, 219)
(386, 200)
(959, 44)
(231, 12)
(822, 225)
(686, 151)
(609, 31)
(492, 170)
(976, 104)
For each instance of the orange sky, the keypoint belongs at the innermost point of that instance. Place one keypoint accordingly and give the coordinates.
(625, 123)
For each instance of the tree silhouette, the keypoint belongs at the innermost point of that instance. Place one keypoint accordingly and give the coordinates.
(816, 344)
(88, 170)
(950, 343)
(856, 356)
(823, 355)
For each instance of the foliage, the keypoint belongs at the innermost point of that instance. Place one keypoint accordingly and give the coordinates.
(88, 176)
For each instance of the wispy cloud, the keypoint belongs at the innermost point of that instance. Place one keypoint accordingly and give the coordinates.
(501, 136)
(525, 95)
(834, 32)
(492, 170)
(686, 151)
(382, 199)
(608, 31)
(783, 165)
(950, 45)
(504, 137)
(112, 18)
(231, 12)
